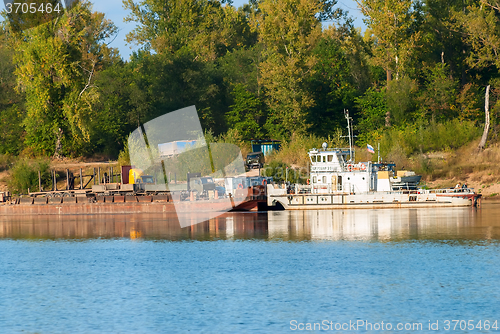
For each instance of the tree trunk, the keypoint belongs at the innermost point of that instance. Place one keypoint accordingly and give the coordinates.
(388, 113)
(57, 152)
(482, 143)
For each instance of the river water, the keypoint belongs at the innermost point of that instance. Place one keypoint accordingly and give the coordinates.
(349, 271)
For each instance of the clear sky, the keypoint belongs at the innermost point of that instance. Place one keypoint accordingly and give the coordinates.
(114, 11)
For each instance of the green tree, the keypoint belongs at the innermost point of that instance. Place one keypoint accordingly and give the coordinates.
(241, 66)
(245, 114)
(394, 30)
(402, 100)
(442, 38)
(151, 85)
(373, 108)
(480, 21)
(204, 28)
(339, 76)
(440, 93)
(11, 103)
(289, 30)
(56, 66)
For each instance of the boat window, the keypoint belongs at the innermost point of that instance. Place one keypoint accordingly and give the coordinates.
(313, 158)
(324, 158)
(324, 179)
(314, 179)
(330, 158)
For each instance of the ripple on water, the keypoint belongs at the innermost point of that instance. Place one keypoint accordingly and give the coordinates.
(251, 273)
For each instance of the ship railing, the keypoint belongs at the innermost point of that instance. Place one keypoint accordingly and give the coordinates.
(429, 191)
(452, 191)
(303, 189)
(344, 150)
(316, 189)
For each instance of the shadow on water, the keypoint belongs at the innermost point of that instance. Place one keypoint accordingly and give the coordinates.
(388, 225)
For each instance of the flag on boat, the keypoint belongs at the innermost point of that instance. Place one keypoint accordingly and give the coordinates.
(370, 148)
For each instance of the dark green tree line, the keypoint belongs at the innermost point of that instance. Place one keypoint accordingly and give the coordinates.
(270, 69)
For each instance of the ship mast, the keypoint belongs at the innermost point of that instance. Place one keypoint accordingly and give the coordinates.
(349, 119)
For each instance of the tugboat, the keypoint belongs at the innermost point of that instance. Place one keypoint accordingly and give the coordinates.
(338, 182)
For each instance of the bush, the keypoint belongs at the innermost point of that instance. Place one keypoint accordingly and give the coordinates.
(124, 157)
(410, 139)
(24, 175)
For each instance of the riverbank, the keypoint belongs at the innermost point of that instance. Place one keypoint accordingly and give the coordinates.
(60, 166)
(443, 169)
(479, 170)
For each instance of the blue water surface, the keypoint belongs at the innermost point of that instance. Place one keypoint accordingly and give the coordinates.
(242, 286)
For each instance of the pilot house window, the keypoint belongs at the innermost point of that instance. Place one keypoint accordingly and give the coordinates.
(324, 179)
(314, 179)
(330, 158)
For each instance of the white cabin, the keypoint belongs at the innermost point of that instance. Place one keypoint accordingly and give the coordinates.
(333, 171)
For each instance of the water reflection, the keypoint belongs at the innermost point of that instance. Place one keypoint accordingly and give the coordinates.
(367, 225)
(135, 226)
(388, 225)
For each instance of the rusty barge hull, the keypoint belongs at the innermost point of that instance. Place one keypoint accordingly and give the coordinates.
(73, 206)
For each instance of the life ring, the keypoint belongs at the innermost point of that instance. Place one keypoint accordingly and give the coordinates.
(264, 182)
(349, 168)
(240, 186)
(362, 166)
(307, 181)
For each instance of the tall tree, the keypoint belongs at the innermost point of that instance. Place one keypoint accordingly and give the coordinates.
(11, 103)
(204, 28)
(56, 66)
(442, 38)
(289, 30)
(395, 32)
(480, 21)
(341, 74)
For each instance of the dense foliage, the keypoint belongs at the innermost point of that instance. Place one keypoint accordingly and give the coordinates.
(414, 81)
